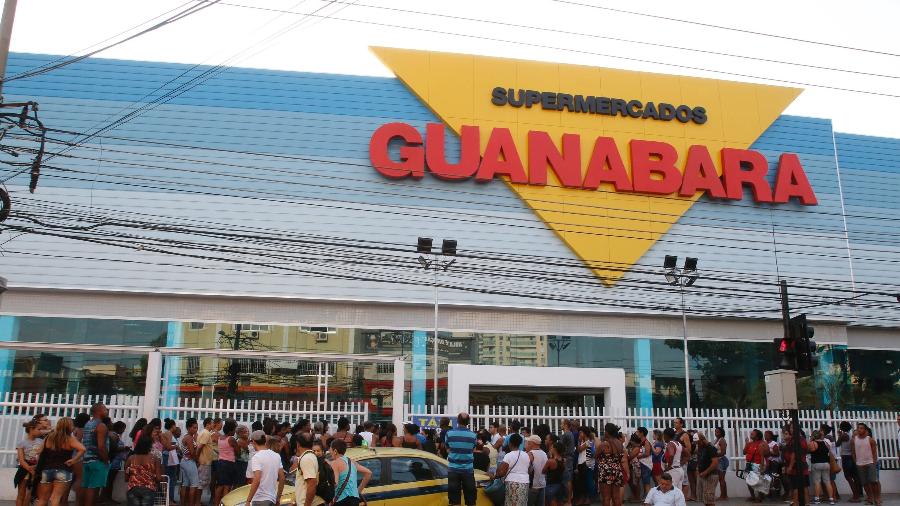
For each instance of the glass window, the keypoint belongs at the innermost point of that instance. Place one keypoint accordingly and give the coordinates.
(373, 465)
(410, 469)
(440, 470)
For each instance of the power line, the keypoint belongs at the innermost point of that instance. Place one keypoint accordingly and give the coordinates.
(694, 23)
(606, 55)
(202, 4)
(591, 35)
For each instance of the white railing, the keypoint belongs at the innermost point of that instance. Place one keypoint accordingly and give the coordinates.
(246, 412)
(737, 423)
(18, 408)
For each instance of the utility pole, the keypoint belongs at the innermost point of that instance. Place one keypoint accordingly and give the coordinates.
(234, 368)
(795, 413)
(6, 27)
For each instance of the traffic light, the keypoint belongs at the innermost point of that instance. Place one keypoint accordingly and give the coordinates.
(801, 333)
(785, 354)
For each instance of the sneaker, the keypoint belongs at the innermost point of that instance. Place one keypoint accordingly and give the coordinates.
(831, 501)
(816, 500)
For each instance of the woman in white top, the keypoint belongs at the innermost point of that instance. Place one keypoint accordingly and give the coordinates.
(515, 468)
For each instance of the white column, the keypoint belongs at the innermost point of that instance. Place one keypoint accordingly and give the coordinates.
(152, 385)
(399, 390)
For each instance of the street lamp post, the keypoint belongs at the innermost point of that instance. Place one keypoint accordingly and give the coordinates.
(433, 261)
(683, 277)
(559, 343)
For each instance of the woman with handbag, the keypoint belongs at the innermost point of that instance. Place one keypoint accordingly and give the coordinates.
(821, 466)
(345, 472)
(514, 470)
(755, 452)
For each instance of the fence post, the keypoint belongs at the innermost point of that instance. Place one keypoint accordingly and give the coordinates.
(152, 385)
(397, 415)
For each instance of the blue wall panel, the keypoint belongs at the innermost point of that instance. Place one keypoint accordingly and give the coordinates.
(286, 152)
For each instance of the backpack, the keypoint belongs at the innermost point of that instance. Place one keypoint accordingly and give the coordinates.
(325, 486)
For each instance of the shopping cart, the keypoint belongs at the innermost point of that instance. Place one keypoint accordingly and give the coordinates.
(162, 493)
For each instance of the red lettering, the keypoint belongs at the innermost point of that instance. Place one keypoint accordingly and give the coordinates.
(412, 157)
(435, 155)
(700, 174)
(791, 181)
(543, 152)
(501, 157)
(606, 166)
(733, 163)
(649, 158)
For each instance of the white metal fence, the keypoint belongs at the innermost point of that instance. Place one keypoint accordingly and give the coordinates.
(18, 408)
(246, 412)
(737, 423)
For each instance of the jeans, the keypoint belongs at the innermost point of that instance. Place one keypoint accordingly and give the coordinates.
(464, 480)
(536, 497)
(140, 496)
(172, 473)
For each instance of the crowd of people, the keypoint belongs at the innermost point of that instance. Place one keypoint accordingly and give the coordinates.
(530, 466)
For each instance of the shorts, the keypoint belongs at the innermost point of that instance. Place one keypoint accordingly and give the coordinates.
(56, 476)
(226, 474)
(555, 492)
(685, 481)
(819, 473)
(262, 503)
(867, 474)
(706, 488)
(723, 464)
(678, 475)
(204, 472)
(190, 477)
(646, 475)
(94, 474)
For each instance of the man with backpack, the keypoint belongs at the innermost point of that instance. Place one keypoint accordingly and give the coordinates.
(308, 475)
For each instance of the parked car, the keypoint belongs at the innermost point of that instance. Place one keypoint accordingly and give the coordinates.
(400, 477)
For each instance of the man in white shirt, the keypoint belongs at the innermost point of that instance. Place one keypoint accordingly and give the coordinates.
(665, 494)
(538, 459)
(268, 474)
(367, 433)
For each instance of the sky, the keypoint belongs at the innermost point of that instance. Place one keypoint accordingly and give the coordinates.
(334, 36)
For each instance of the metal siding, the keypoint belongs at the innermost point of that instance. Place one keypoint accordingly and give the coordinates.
(330, 118)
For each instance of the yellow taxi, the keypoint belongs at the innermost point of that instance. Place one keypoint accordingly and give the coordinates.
(400, 477)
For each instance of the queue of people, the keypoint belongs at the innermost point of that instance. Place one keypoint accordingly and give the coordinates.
(577, 466)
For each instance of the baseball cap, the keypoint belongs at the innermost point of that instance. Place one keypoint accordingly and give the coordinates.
(534, 439)
(257, 435)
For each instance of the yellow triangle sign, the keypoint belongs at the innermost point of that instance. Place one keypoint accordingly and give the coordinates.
(609, 231)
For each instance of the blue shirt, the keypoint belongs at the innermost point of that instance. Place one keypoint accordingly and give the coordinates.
(521, 444)
(89, 440)
(460, 448)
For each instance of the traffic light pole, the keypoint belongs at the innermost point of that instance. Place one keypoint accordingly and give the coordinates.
(795, 414)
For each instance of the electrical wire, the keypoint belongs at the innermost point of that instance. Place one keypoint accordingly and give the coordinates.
(201, 5)
(694, 23)
(507, 24)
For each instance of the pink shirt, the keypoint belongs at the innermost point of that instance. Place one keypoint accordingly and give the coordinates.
(226, 452)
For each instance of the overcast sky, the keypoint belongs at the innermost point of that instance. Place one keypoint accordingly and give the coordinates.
(308, 41)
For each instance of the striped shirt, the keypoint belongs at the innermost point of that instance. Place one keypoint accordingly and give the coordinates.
(460, 447)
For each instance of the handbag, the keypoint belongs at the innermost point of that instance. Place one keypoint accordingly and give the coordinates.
(496, 489)
(835, 467)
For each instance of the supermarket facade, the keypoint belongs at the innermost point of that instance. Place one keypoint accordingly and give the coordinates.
(289, 204)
